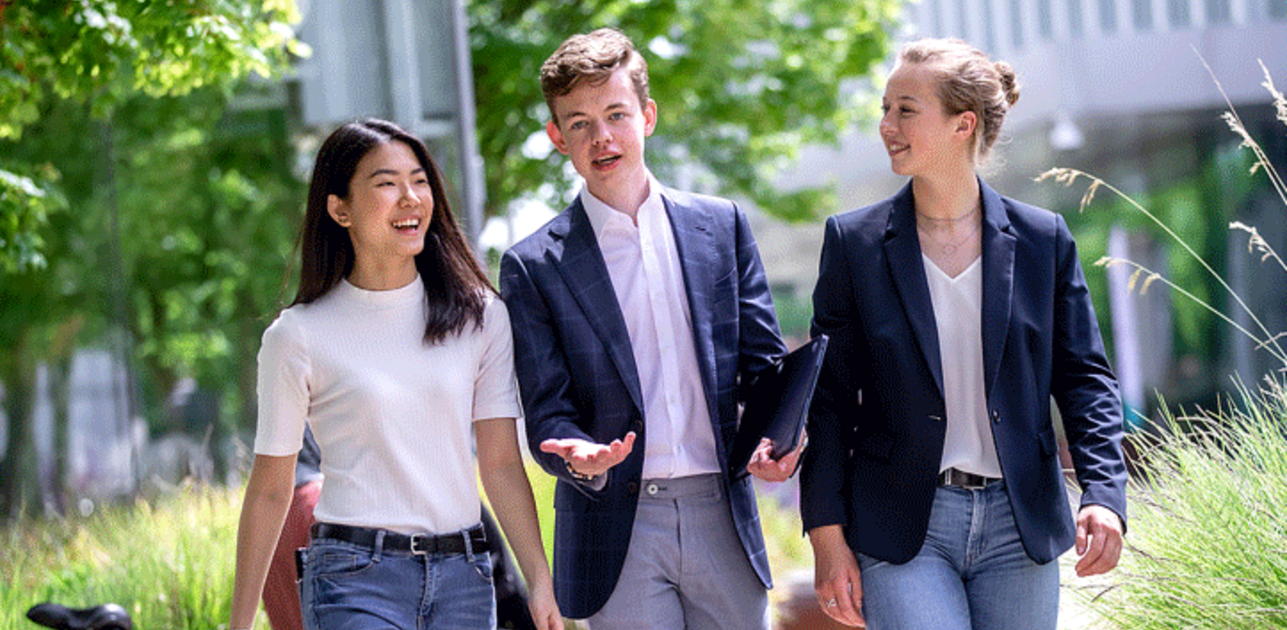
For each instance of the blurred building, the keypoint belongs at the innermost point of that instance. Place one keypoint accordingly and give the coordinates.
(1118, 88)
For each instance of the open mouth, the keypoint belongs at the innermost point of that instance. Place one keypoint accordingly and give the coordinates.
(606, 161)
(407, 225)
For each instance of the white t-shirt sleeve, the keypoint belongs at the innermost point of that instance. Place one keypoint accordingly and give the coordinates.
(282, 388)
(495, 387)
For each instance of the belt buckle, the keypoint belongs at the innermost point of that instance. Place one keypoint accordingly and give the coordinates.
(419, 544)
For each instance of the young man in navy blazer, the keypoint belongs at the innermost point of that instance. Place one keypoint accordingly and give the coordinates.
(641, 315)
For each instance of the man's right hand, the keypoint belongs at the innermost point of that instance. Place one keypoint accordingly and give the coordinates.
(590, 458)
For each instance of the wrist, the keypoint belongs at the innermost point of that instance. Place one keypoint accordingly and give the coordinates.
(579, 476)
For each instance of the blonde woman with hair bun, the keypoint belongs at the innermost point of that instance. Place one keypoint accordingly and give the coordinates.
(932, 491)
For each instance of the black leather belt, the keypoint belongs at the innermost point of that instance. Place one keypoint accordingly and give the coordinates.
(419, 544)
(961, 479)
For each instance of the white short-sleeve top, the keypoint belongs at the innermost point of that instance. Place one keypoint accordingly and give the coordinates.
(392, 414)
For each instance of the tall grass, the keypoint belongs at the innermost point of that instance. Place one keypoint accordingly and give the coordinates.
(169, 562)
(1207, 546)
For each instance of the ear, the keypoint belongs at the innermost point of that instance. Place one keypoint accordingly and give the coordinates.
(556, 136)
(966, 124)
(650, 117)
(338, 210)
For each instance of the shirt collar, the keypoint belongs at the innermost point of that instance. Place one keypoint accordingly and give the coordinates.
(602, 215)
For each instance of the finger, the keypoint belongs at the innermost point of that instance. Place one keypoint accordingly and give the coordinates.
(558, 447)
(1081, 536)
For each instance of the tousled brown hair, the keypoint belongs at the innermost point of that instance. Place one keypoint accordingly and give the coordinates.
(592, 57)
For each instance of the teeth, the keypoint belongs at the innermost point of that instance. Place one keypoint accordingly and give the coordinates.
(406, 223)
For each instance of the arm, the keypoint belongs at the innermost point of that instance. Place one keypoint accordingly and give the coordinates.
(545, 381)
(268, 496)
(760, 344)
(1086, 391)
(500, 465)
(822, 476)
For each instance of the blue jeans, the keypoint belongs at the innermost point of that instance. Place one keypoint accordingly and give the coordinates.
(972, 573)
(351, 587)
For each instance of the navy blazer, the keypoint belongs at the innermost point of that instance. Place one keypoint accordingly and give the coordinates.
(876, 427)
(577, 375)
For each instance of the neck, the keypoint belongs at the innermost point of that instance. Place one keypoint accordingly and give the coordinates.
(627, 197)
(382, 276)
(946, 199)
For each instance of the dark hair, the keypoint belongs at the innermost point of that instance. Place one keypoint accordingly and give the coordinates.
(455, 284)
(592, 57)
(968, 82)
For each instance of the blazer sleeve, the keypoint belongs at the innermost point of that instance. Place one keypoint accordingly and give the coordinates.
(1084, 386)
(822, 475)
(544, 379)
(760, 341)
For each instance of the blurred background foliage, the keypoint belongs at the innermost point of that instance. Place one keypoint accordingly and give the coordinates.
(153, 166)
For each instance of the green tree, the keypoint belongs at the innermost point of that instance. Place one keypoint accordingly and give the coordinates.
(102, 52)
(177, 214)
(740, 86)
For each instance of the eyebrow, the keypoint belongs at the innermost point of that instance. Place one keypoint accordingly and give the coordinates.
(389, 171)
(611, 107)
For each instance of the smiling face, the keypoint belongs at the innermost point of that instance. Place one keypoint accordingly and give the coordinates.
(601, 127)
(387, 214)
(920, 137)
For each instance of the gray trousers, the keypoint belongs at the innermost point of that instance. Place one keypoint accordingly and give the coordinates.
(685, 568)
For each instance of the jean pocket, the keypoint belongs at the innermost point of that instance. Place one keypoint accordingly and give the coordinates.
(482, 563)
(333, 562)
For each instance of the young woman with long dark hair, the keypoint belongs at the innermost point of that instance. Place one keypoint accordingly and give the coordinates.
(398, 354)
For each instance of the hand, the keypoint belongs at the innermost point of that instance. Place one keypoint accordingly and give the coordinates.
(590, 458)
(1099, 540)
(545, 611)
(836, 577)
(763, 466)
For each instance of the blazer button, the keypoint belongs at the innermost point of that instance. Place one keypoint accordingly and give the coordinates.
(632, 487)
(936, 418)
(996, 417)
(637, 426)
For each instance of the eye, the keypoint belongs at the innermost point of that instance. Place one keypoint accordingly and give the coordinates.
(578, 124)
(616, 115)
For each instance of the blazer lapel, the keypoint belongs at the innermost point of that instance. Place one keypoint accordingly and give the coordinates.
(580, 263)
(998, 282)
(903, 255)
(696, 248)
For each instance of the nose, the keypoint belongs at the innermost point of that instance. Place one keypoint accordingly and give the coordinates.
(600, 133)
(886, 124)
(408, 193)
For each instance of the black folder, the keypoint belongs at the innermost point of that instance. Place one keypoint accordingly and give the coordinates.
(778, 405)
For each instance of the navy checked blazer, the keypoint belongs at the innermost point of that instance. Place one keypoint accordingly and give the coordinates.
(577, 375)
(876, 425)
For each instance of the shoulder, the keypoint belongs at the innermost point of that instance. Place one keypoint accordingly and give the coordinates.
(867, 223)
(699, 201)
(534, 245)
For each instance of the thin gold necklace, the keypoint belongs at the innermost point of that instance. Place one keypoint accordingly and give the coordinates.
(950, 247)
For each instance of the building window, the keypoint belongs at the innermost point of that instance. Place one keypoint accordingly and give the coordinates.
(936, 14)
(1142, 14)
(1016, 23)
(1074, 18)
(1218, 12)
(1045, 22)
(1179, 12)
(989, 30)
(1108, 16)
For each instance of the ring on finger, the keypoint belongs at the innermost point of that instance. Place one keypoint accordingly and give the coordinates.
(831, 603)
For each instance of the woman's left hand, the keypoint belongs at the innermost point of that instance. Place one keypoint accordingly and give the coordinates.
(763, 465)
(1099, 540)
(545, 611)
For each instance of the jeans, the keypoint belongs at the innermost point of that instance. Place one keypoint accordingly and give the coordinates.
(972, 572)
(351, 587)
